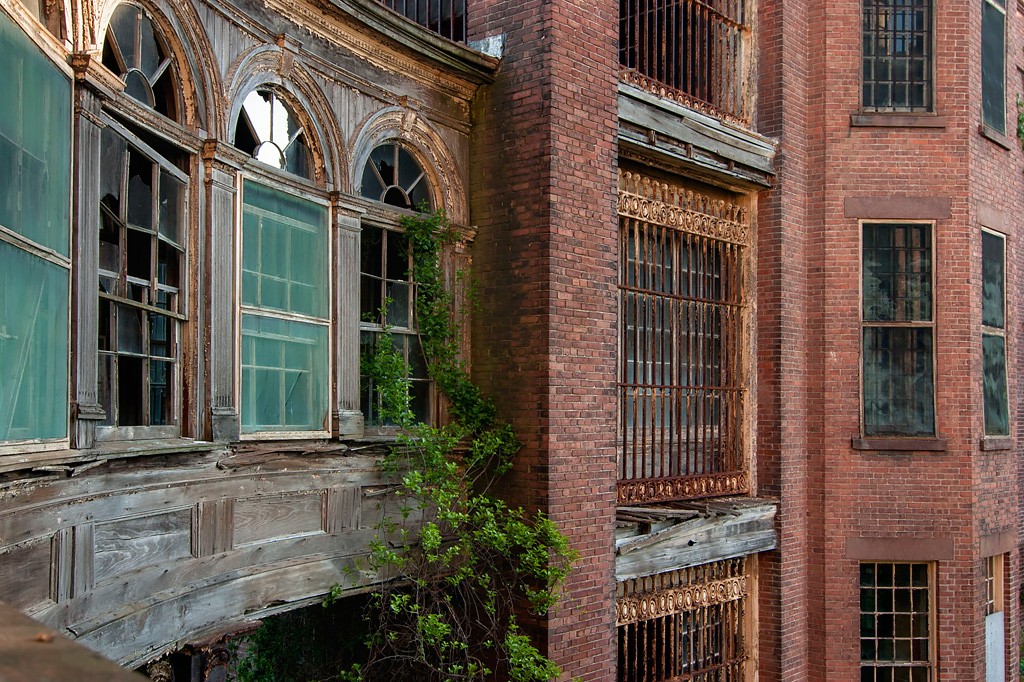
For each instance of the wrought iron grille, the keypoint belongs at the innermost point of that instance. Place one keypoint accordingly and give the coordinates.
(897, 55)
(683, 625)
(681, 324)
(445, 17)
(693, 48)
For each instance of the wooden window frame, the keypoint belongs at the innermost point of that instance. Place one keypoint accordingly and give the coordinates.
(1000, 7)
(1000, 332)
(932, 569)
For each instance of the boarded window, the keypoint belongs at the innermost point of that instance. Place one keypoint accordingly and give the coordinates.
(897, 334)
(897, 55)
(896, 622)
(993, 337)
(993, 64)
(285, 312)
(35, 181)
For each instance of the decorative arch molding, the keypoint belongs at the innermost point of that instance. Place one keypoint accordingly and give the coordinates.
(274, 66)
(186, 39)
(428, 147)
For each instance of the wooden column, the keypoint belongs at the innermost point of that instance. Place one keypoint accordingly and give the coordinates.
(86, 411)
(347, 420)
(220, 267)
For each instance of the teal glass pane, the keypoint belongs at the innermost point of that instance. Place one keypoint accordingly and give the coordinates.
(284, 375)
(997, 411)
(899, 394)
(35, 143)
(33, 347)
(993, 278)
(285, 252)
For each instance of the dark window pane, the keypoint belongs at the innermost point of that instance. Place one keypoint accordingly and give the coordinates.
(897, 272)
(993, 298)
(895, 30)
(898, 386)
(997, 418)
(993, 66)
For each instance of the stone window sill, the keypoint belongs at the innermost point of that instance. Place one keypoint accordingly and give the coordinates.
(897, 120)
(899, 444)
(996, 443)
(994, 136)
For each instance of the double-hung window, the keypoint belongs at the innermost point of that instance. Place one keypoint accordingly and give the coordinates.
(286, 284)
(35, 205)
(897, 55)
(993, 335)
(993, 64)
(897, 330)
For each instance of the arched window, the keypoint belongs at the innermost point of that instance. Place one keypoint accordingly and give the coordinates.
(269, 131)
(392, 176)
(136, 52)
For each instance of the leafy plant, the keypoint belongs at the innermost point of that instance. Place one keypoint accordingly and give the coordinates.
(458, 560)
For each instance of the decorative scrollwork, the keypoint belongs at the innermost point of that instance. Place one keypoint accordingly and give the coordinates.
(667, 205)
(689, 487)
(680, 599)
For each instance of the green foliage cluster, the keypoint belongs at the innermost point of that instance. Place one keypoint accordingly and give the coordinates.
(458, 559)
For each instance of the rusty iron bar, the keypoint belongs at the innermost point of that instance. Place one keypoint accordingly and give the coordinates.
(690, 46)
(444, 17)
(698, 643)
(680, 386)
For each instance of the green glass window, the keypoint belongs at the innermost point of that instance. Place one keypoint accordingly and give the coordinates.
(285, 311)
(993, 64)
(35, 181)
(897, 333)
(993, 337)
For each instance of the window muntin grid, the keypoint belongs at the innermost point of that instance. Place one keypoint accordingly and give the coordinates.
(897, 59)
(993, 584)
(898, 330)
(896, 622)
(135, 51)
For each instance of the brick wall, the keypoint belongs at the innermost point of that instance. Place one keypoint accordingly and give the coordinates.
(543, 190)
(809, 338)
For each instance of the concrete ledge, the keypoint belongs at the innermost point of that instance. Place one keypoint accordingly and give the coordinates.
(899, 549)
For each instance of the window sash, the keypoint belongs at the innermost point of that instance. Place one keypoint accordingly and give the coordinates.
(897, 336)
(897, 38)
(993, 65)
(897, 620)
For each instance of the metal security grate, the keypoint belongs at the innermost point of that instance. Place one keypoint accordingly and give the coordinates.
(897, 55)
(694, 48)
(445, 17)
(680, 388)
(683, 625)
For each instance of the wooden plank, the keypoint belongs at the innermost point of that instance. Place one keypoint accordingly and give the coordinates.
(213, 526)
(126, 545)
(262, 519)
(32, 652)
(25, 574)
(342, 508)
(82, 548)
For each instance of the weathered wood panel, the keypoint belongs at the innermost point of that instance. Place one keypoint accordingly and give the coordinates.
(25, 574)
(127, 545)
(262, 519)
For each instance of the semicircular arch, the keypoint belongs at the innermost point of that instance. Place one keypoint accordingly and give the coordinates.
(416, 135)
(261, 67)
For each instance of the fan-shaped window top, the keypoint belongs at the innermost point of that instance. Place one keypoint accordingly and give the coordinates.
(269, 131)
(392, 176)
(135, 51)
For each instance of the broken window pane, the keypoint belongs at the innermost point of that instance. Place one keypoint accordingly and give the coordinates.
(393, 176)
(33, 346)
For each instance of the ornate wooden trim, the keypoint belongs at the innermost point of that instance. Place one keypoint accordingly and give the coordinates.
(678, 600)
(685, 487)
(656, 87)
(672, 206)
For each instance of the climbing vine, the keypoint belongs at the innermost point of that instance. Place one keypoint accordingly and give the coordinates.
(458, 561)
